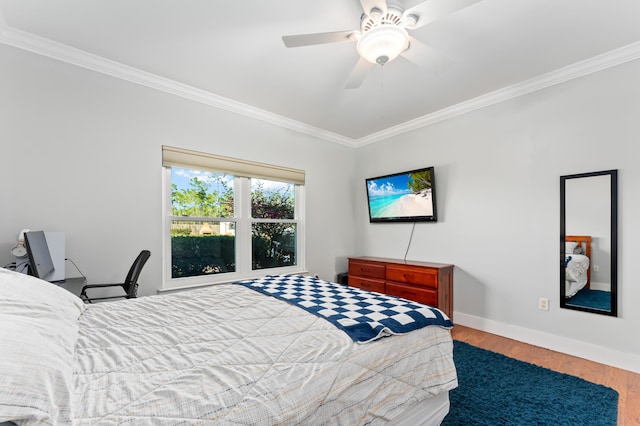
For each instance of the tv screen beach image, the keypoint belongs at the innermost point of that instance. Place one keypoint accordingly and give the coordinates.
(403, 195)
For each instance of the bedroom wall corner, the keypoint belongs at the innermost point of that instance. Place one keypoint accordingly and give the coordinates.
(82, 154)
(497, 176)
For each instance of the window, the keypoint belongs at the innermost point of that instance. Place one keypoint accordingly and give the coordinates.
(202, 223)
(273, 228)
(229, 219)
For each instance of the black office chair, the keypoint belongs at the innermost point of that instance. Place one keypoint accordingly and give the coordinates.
(130, 284)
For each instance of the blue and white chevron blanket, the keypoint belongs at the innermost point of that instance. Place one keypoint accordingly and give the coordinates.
(365, 316)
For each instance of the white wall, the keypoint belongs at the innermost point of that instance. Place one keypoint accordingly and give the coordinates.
(497, 178)
(81, 153)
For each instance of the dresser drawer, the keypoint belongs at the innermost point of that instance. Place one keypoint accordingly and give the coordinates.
(424, 282)
(366, 269)
(367, 283)
(413, 275)
(417, 294)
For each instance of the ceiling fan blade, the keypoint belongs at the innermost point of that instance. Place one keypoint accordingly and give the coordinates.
(367, 5)
(432, 10)
(317, 38)
(425, 56)
(358, 74)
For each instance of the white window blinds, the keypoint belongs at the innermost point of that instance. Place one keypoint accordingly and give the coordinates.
(183, 158)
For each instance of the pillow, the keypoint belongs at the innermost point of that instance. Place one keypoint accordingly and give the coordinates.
(570, 246)
(38, 333)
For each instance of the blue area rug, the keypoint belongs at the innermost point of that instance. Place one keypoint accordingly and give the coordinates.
(595, 299)
(497, 390)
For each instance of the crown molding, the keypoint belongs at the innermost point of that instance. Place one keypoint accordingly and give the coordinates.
(45, 47)
(68, 54)
(601, 62)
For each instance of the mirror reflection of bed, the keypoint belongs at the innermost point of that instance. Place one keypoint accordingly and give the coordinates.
(579, 290)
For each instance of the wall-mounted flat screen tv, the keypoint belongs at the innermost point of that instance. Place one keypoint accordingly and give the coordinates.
(403, 197)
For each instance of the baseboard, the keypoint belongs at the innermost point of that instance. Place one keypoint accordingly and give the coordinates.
(602, 355)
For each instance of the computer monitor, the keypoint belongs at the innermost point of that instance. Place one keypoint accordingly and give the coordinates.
(40, 262)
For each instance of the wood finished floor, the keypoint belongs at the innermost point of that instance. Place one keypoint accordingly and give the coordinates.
(625, 382)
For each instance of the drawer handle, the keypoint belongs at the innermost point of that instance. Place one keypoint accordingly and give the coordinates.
(408, 276)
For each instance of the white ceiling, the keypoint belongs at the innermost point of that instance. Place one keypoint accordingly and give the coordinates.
(230, 54)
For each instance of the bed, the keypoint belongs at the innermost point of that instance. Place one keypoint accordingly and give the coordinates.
(225, 354)
(577, 260)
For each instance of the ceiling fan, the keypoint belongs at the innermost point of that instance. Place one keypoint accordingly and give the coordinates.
(383, 34)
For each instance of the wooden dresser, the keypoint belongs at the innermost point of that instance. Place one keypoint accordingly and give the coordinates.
(424, 282)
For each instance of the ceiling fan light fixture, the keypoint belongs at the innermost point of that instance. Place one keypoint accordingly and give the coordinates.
(383, 44)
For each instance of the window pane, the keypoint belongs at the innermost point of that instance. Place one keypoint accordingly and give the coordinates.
(201, 194)
(272, 200)
(273, 245)
(202, 248)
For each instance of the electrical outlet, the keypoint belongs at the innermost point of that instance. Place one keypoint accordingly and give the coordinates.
(596, 268)
(543, 304)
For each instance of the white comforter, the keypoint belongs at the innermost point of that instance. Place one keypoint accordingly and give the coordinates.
(229, 355)
(576, 273)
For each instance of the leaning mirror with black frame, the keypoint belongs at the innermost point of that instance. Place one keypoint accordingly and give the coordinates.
(588, 242)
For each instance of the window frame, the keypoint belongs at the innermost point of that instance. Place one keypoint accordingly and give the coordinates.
(298, 191)
(243, 243)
